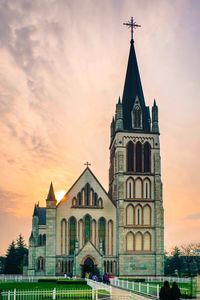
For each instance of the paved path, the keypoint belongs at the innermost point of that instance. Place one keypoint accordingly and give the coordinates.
(121, 294)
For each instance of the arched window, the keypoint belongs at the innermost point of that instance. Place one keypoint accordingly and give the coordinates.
(138, 157)
(87, 221)
(79, 199)
(95, 199)
(147, 241)
(138, 188)
(130, 241)
(138, 241)
(130, 215)
(87, 194)
(147, 157)
(41, 263)
(130, 157)
(93, 239)
(80, 233)
(110, 237)
(146, 215)
(138, 215)
(44, 239)
(147, 189)
(74, 201)
(130, 188)
(72, 235)
(63, 236)
(100, 202)
(102, 232)
(40, 240)
(137, 117)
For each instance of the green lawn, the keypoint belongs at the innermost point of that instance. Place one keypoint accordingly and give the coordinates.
(41, 286)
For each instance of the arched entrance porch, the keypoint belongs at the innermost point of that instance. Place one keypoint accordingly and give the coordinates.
(89, 267)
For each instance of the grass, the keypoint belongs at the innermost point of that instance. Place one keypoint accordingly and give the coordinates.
(5, 286)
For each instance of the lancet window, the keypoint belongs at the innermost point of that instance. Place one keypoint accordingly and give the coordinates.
(72, 235)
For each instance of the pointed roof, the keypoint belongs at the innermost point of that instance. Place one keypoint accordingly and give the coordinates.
(51, 194)
(133, 89)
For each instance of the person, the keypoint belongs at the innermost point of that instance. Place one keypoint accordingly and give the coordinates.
(175, 292)
(165, 291)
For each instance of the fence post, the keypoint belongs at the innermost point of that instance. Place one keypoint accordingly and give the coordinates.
(92, 293)
(8, 295)
(158, 288)
(54, 293)
(96, 294)
(14, 294)
(147, 288)
(139, 286)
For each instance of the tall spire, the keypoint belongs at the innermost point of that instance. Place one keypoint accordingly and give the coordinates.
(51, 194)
(133, 89)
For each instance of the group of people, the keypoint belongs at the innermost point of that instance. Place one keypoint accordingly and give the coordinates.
(167, 293)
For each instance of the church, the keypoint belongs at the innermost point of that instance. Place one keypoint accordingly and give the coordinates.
(119, 231)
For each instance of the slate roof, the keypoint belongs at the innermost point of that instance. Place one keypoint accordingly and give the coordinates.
(40, 212)
(133, 88)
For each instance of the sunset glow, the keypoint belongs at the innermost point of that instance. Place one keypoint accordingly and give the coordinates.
(59, 195)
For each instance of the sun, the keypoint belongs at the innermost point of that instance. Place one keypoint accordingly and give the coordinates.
(59, 195)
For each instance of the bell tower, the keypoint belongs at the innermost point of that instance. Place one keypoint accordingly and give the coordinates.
(135, 178)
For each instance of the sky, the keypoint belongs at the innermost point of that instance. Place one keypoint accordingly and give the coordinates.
(62, 69)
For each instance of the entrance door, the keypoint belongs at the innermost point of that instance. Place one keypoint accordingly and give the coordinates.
(88, 267)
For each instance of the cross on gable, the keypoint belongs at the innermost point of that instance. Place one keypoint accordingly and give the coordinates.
(87, 164)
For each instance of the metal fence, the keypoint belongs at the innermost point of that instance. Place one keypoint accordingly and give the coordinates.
(49, 294)
(140, 287)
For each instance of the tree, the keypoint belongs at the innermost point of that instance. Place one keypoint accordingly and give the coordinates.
(15, 256)
(11, 262)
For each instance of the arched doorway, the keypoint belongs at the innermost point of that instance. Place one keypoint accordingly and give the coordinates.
(88, 267)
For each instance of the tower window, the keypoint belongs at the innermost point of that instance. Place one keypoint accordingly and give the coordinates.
(138, 157)
(137, 115)
(147, 157)
(130, 157)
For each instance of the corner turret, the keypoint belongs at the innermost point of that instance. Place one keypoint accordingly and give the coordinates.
(119, 116)
(155, 126)
(51, 199)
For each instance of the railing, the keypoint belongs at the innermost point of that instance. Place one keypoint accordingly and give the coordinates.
(140, 287)
(49, 294)
(170, 279)
(21, 278)
(99, 286)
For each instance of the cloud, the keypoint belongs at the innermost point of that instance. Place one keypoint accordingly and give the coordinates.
(194, 216)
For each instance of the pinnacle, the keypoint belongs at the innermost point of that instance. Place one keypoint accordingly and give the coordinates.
(51, 194)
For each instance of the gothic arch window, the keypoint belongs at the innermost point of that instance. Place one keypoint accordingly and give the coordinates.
(94, 226)
(72, 234)
(138, 215)
(130, 241)
(79, 198)
(110, 237)
(102, 232)
(130, 215)
(63, 236)
(74, 202)
(146, 215)
(87, 223)
(130, 156)
(95, 199)
(87, 194)
(138, 188)
(44, 239)
(147, 157)
(138, 157)
(40, 240)
(41, 263)
(147, 188)
(138, 241)
(80, 233)
(147, 241)
(130, 188)
(100, 202)
(91, 197)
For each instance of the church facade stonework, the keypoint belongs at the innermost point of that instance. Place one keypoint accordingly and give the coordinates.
(121, 231)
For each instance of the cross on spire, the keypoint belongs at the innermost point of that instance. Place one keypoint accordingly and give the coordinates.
(87, 164)
(131, 24)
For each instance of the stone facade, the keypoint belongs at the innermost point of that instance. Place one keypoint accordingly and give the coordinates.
(120, 232)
